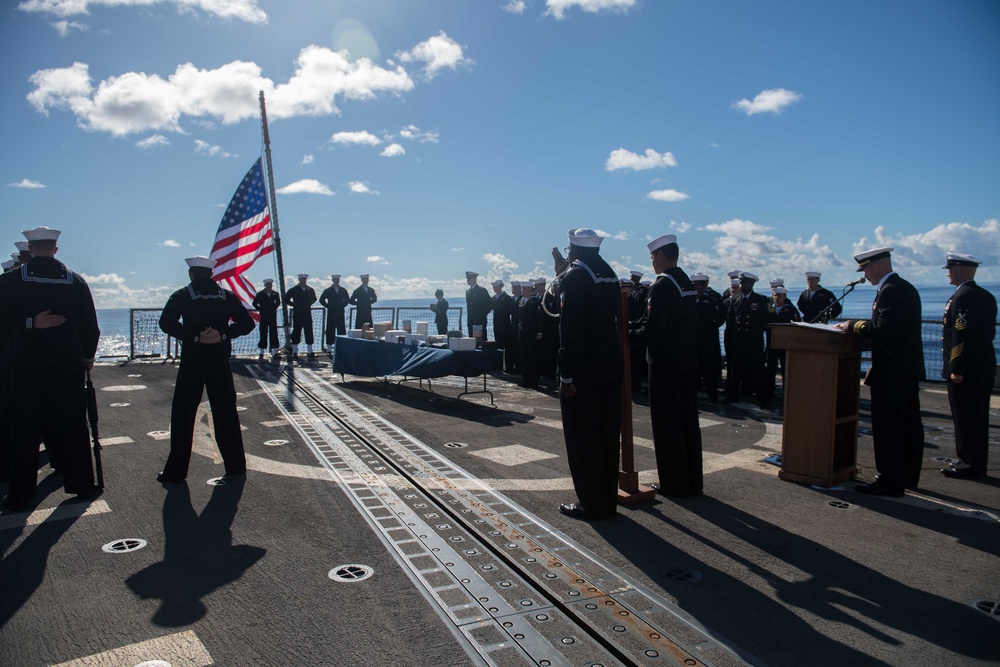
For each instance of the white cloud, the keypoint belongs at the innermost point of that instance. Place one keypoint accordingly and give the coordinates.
(769, 101)
(515, 7)
(138, 102)
(169, 243)
(361, 188)
(375, 259)
(501, 267)
(305, 186)
(63, 27)
(244, 10)
(307, 159)
(924, 252)
(680, 227)
(104, 279)
(436, 53)
(111, 292)
(212, 151)
(457, 249)
(623, 159)
(558, 8)
(414, 133)
(393, 150)
(746, 245)
(362, 138)
(668, 195)
(27, 184)
(151, 141)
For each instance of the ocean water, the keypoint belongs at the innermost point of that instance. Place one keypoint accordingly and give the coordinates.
(116, 330)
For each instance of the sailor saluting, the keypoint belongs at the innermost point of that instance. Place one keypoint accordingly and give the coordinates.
(48, 312)
(205, 318)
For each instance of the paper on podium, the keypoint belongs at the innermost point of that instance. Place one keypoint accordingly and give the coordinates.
(824, 327)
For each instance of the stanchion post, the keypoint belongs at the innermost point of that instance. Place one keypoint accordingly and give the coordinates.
(630, 491)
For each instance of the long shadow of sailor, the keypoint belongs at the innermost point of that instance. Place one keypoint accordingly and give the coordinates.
(198, 555)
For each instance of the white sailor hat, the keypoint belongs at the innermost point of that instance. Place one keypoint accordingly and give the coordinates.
(746, 275)
(471, 274)
(733, 274)
(734, 282)
(777, 282)
(958, 259)
(200, 261)
(363, 276)
(699, 278)
(303, 275)
(867, 257)
(555, 282)
(14, 256)
(527, 284)
(647, 283)
(636, 274)
(666, 239)
(8, 264)
(22, 246)
(268, 281)
(780, 290)
(585, 238)
(41, 234)
(813, 274)
(626, 282)
(335, 276)
(539, 281)
(497, 283)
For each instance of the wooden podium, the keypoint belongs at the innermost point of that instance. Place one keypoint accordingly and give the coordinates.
(822, 383)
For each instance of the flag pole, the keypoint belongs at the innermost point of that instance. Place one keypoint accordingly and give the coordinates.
(274, 217)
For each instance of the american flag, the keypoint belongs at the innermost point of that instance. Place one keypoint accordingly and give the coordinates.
(244, 235)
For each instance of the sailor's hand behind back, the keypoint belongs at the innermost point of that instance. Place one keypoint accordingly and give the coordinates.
(209, 336)
(46, 320)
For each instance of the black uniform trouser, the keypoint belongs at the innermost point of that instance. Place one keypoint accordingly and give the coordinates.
(334, 327)
(592, 420)
(268, 333)
(513, 353)
(504, 337)
(897, 433)
(748, 365)
(300, 322)
(709, 370)
(775, 358)
(5, 425)
(970, 408)
(195, 374)
(50, 403)
(673, 409)
(549, 351)
(530, 370)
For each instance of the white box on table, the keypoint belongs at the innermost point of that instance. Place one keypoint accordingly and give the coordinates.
(461, 344)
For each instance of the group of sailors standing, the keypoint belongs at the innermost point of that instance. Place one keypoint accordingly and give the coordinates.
(300, 298)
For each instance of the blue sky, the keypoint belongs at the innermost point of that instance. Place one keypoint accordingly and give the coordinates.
(415, 140)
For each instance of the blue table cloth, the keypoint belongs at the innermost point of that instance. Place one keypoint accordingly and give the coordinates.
(372, 358)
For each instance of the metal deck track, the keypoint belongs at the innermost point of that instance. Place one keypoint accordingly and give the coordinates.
(513, 589)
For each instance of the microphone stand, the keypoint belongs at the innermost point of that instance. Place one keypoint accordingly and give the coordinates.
(823, 313)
